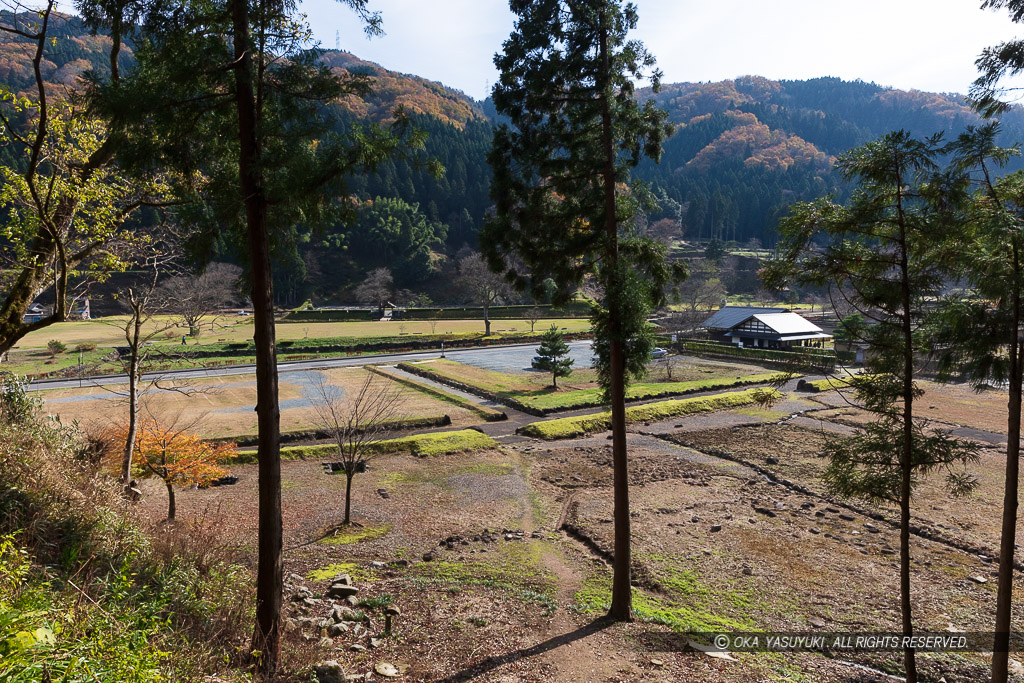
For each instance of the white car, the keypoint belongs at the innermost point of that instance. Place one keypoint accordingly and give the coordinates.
(659, 352)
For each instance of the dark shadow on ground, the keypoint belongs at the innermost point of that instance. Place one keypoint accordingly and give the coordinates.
(489, 664)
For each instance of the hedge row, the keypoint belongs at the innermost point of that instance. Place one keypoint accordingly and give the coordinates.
(571, 427)
(311, 315)
(420, 445)
(576, 309)
(352, 345)
(488, 414)
(504, 399)
(244, 440)
(824, 359)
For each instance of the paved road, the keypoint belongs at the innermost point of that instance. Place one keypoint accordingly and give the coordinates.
(517, 358)
(503, 358)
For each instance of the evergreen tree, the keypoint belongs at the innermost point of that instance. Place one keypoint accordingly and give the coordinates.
(563, 205)
(226, 93)
(552, 356)
(879, 256)
(978, 335)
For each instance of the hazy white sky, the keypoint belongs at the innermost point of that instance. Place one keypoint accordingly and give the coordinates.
(923, 44)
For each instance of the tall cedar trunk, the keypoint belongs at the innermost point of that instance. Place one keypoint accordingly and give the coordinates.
(170, 501)
(554, 380)
(487, 320)
(906, 462)
(1004, 596)
(267, 635)
(622, 595)
(348, 497)
(133, 398)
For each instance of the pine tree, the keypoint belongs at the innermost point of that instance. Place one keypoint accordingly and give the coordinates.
(880, 257)
(978, 335)
(564, 209)
(552, 355)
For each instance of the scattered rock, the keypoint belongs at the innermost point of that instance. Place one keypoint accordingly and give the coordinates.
(335, 630)
(383, 493)
(816, 622)
(695, 519)
(780, 506)
(978, 579)
(428, 557)
(764, 511)
(770, 460)
(377, 565)
(344, 613)
(871, 527)
(375, 642)
(815, 530)
(846, 517)
(387, 669)
(356, 647)
(710, 651)
(329, 671)
(747, 571)
(339, 590)
(716, 528)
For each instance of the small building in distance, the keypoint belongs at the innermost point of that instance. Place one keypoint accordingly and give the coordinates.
(78, 310)
(764, 328)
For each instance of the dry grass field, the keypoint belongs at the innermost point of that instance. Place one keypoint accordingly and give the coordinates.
(484, 554)
(225, 406)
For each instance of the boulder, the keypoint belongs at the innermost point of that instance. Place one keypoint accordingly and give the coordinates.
(329, 671)
(341, 591)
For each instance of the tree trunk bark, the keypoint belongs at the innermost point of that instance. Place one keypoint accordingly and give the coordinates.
(170, 502)
(1008, 537)
(622, 591)
(348, 497)
(267, 635)
(487, 320)
(906, 458)
(133, 401)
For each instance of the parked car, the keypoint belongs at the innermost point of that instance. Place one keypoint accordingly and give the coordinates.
(659, 352)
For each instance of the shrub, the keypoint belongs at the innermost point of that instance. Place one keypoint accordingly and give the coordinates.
(85, 347)
(56, 346)
(85, 594)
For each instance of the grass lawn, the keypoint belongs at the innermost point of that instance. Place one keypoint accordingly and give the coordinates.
(533, 389)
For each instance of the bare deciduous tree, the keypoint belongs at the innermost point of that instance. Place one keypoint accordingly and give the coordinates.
(532, 316)
(377, 288)
(482, 286)
(192, 298)
(355, 423)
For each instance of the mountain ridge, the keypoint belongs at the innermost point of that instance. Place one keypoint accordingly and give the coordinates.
(743, 150)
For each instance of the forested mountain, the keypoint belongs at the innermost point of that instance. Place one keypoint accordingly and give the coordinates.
(744, 149)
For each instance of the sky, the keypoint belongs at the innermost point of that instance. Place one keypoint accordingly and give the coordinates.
(926, 45)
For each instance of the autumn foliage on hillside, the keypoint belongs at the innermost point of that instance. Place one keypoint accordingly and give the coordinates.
(391, 89)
